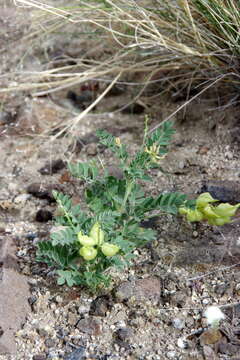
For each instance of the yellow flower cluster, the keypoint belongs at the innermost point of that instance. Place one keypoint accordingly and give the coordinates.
(153, 151)
(95, 240)
(215, 215)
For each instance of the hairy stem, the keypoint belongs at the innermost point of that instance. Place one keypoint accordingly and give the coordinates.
(127, 193)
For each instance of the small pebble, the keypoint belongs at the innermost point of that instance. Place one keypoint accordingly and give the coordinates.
(22, 198)
(229, 155)
(171, 355)
(83, 309)
(237, 287)
(206, 301)
(13, 187)
(50, 343)
(178, 323)
(59, 299)
(78, 354)
(39, 357)
(31, 236)
(182, 343)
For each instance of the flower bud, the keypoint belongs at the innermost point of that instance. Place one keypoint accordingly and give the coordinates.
(97, 234)
(88, 253)
(204, 199)
(86, 240)
(109, 249)
(118, 141)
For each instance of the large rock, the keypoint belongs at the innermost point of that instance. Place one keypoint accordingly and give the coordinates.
(13, 299)
(139, 290)
(223, 190)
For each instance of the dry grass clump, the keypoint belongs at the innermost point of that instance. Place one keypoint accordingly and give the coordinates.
(181, 43)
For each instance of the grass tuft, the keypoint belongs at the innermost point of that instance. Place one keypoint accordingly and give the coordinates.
(178, 43)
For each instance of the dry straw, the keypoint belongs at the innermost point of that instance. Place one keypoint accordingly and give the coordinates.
(184, 41)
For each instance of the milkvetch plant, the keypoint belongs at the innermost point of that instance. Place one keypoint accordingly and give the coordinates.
(106, 235)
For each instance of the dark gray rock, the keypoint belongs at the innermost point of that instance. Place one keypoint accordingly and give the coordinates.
(39, 357)
(42, 191)
(43, 215)
(52, 167)
(124, 334)
(229, 349)
(116, 90)
(81, 101)
(100, 305)
(7, 117)
(134, 108)
(224, 191)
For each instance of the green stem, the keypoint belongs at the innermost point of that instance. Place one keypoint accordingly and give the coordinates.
(127, 193)
(66, 214)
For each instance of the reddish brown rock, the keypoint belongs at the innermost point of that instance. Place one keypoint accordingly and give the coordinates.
(140, 290)
(90, 326)
(209, 337)
(14, 297)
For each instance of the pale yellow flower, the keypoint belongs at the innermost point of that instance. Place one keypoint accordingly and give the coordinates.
(118, 141)
(153, 151)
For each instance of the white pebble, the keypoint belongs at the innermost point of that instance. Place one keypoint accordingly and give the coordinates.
(178, 323)
(171, 354)
(205, 301)
(182, 343)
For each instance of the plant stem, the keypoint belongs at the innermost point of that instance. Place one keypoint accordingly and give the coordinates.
(66, 214)
(127, 193)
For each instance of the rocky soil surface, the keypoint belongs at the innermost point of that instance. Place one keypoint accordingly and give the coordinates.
(155, 309)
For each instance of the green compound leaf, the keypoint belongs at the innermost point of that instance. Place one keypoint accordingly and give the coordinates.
(69, 214)
(61, 256)
(161, 137)
(64, 237)
(170, 202)
(66, 276)
(63, 200)
(125, 245)
(85, 171)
